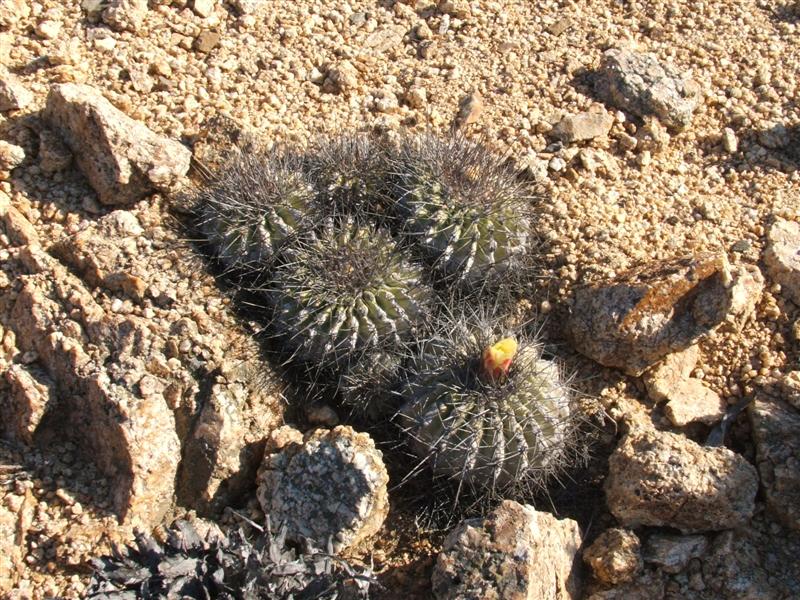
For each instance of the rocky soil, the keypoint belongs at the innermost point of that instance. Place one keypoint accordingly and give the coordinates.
(664, 141)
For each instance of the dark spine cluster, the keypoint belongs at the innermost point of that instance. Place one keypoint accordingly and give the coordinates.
(232, 566)
(254, 207)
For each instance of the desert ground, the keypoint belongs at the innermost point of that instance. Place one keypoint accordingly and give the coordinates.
(127, 396)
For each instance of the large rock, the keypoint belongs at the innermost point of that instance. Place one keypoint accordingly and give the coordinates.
(615, 556)
(783, 257)
(13, 94)
(647, 313)
(639, 83)
(92, 356)
(667, 480)
(223, 413)
(32, 395)
(105, 254)
(649, 585)
(123, 160)
(733, 570)
(515, 553)
(224, 444)
(134, 354)
(331, 487)
(776, 432)
(15, 226)
(583, 126)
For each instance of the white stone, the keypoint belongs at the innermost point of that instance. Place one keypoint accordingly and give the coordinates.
(783, 257)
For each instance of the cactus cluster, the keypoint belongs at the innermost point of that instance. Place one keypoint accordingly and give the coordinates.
(358, 246)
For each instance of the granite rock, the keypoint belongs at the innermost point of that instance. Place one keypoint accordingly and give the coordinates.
(122, 159)
(666, 480)
(515, 553)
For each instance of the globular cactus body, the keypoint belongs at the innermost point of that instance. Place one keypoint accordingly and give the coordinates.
(256, 205)
(346, 292)
(462, 208)
(484, 431)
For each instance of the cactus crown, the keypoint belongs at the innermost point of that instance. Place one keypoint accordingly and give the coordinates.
(462, 208)
(488, 415)
(256, 205)
(349, 173)
(347, 290)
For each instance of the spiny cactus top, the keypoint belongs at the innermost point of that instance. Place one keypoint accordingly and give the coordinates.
(462, 208)
(349, 173)
(254, 206)
(347, 291)
(489, 418)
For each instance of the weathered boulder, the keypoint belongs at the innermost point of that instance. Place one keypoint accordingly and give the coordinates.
(641, 84)
(649, 312)
(122, 159)
(224, 444)
(131, 437)
(615, 556)
(113, 241)
(649, 585)
(732, 569)
(331, 487)
(54, 156)
(515, 553)
(223, 412)
(32, 395)
(134, 354)
(782, 257)
(13, 94)
(11, 156)
(664, 479)
(776, 433)
(18, 229)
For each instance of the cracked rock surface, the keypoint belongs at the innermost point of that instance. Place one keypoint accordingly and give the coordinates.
(332, 487)
(515, 553)
(659, 478)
